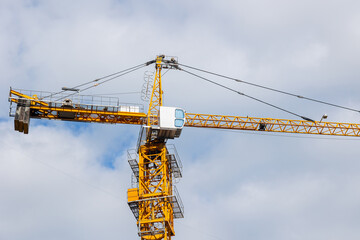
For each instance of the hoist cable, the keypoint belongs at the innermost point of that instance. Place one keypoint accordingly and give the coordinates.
(120, 93)
(98, 79)
(272, 89)
(113, 74)
(248, 96)
(107, 80)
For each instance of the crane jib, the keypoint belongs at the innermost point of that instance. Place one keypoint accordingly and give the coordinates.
(131, 115)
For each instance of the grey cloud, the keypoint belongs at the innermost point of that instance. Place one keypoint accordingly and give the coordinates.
(236, 185)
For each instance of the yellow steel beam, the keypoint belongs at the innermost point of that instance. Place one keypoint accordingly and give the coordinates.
(272, 125)
(84, 115)
(21, 95)
(41, 109)
(156, 99)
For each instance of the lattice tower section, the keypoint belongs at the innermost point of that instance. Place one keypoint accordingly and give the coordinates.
(155, 186)
(156, 96)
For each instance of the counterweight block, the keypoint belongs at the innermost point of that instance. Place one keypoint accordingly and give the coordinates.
(22, 116)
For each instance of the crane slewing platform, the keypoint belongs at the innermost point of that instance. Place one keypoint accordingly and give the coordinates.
(156, 166)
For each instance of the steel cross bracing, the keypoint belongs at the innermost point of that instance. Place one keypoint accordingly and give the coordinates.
(272, 125)
(155, 185)
(154, 200)
(172, 157)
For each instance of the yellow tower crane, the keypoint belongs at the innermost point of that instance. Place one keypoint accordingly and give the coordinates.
(154, 201)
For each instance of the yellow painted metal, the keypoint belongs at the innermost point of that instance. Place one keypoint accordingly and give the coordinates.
(34, 98)
(155, 207)
(133, 194)
(156, 99)
(41, 109)
(272, 125)
(156, 218)
(83, 115)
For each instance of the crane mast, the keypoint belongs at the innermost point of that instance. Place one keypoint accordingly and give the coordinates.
(153, 198)
(154, 202)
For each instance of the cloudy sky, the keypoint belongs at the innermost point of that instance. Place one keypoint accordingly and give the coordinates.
(69, 180)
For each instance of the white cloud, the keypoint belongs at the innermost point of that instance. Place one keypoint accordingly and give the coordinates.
(274, 187)
(54, 187)
(252, 186)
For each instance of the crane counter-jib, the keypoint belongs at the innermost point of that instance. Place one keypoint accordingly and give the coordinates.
(24, 105)
(85, 115)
